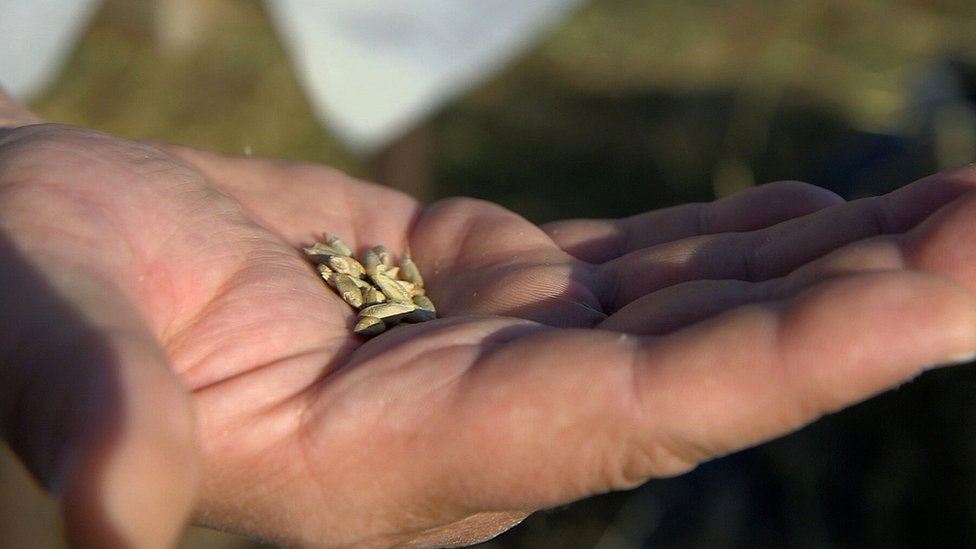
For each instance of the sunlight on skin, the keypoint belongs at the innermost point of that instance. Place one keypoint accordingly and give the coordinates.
(222, 348)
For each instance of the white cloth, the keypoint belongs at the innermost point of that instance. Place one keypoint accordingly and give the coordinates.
(372, 68)
(36, 37)
(375, 68)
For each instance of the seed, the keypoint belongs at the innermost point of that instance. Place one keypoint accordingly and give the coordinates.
(409, 270)
(391, 288)
(372, 263)
(369, 326)
(347, 265)
(338, 245)
(419, 315)
(389, 312)
(408, 287)
(325, 272)
(319, 252)
(424, 302)
(385, 257)
(350, 291)
(425, 310)
(383, 292)
(374, 296)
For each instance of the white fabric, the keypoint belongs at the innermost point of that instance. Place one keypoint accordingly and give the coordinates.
(372, 68)
(36, 37)
(375, 68)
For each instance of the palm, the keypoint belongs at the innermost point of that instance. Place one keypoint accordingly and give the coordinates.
(396, 404)
(453, 429)
(259, 340)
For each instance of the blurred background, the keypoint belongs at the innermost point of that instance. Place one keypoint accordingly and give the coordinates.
(618, 107)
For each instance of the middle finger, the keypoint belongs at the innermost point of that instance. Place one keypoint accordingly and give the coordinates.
(772, 252)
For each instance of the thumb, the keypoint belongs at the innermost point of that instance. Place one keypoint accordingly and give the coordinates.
(89, 404)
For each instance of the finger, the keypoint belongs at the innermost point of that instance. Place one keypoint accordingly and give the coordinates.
(768, 370)
(90, 406)
(946, 242)
(599, 240)
(674, 307)
(299, 200)
(614, 411)
(488, 260)
(776, 251)
(13, 113)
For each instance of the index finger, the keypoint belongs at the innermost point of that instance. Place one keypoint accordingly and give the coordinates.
(599, 240)
(777, 250)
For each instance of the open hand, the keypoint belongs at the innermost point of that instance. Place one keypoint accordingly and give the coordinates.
(167, 353)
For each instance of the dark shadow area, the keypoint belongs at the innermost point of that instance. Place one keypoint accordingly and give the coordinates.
(59, 387)
(561, 156)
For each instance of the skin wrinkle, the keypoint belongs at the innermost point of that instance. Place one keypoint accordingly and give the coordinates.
(306, 449)
(593, 301)
(217, 307)
(789, 365)
(831, 267)
(661, 451)
(647, 455)
(595, 316)
(618, 279)
(619, 244)
(309, 420)
(761, 321)
(214, 297)
(104, 213)
(768, 242)
(703, 221)
(611, 281)
(752, 248)
(173, 343)
(157, 270)
(750, 258)
(842, 262)
(782, 361)
(877, 211)
(506, 332)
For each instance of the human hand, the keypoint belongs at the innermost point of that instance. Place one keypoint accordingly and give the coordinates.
(167, 352)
